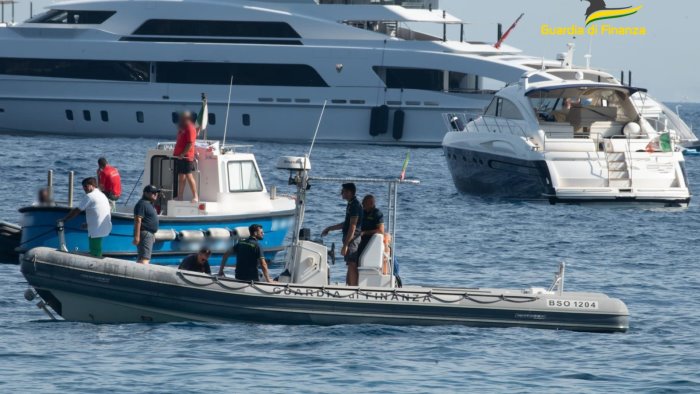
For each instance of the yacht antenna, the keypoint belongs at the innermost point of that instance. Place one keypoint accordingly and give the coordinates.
(318, 125)
(228, 105)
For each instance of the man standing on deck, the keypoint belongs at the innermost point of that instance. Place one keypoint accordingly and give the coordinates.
(351, 232)
(109, 181)
(145, 224)
(97, 213)
(184, 155)
(248, 255)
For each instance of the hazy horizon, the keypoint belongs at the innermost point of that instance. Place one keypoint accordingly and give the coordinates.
(661, 49)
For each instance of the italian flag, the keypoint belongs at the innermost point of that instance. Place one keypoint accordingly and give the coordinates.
(203, 116)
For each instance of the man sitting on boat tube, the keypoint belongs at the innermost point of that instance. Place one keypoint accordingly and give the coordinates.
(184, 155)
(248, 255)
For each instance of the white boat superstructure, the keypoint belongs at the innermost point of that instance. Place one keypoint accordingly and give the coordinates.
(121, 67)
(573, 140)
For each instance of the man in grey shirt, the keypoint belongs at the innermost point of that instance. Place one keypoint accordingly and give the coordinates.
(145, 224)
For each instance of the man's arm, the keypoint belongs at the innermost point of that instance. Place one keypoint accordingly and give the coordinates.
(185, 150)
(73, 213)
(265, 271)
(137, 230)
(334, 227)
(224, 259)
(378, 230)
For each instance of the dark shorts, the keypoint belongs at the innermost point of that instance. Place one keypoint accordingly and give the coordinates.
(353, 256)
(145, 247)
(183, 166)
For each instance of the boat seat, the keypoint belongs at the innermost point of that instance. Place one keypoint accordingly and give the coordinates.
(371, 263)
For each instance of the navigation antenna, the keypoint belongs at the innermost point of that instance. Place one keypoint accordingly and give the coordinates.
(228, 105)
(318, 125)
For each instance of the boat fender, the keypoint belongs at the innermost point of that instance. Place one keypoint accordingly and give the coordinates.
(218, 233)
(239, 233)
(190, 235)
(399, 117)
(379, 120)
(165, 235)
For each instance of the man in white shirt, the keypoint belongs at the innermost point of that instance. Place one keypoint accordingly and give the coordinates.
(97, 212)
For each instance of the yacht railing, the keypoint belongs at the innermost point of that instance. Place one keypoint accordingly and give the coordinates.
(492, 124)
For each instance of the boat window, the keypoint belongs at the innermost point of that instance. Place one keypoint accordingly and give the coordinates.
(246, 119)
(139, 116)
(581, 106)
(198, 28)
(69, 114)
(105, 116)
(243, 177)
(492, 109)
(76, 69)
(244, 74)
(507, 109)
(411, 78)
(81, 17)
(86, 115)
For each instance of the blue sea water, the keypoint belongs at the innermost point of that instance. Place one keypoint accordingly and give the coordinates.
(646, 257)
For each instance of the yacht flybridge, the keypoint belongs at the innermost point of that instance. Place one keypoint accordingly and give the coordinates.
(122, 67)
(573, 140)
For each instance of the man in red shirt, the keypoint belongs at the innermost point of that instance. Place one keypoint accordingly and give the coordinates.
(109, 181)
(184, 155)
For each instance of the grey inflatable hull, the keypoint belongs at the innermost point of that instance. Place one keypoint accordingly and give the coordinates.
(82, 288)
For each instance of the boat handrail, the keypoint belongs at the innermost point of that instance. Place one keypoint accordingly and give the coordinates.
(512, 127)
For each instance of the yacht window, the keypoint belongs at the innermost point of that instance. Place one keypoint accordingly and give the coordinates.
(173, 27)
(69, 114)
(246, 119)
(86, 115)
(81, 17)
(243, 177)
(139, 116)
(581, 106)
(212, 119)
(492, 109)
(507, 109)
(76, 69)
(244, 74)
(411, 78)
(104, 115)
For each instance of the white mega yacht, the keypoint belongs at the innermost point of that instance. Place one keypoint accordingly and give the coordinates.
(126, 67)
(569, 141)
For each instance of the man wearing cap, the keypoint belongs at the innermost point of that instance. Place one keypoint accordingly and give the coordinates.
(145, 224)
(184, 155)
(97, 215)
(248, 255)
(197, 262)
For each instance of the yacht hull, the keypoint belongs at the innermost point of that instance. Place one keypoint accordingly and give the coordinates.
(81, 288)
(482, 173)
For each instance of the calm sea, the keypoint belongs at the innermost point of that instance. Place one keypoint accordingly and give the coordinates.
(648, 258)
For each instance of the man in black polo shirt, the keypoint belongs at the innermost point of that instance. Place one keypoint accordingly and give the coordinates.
(197, 262)
(372, 222)
(351, 232)
(248, 256)
(145, 224)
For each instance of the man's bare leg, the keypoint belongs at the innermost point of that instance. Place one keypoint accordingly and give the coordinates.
(193, 187)
(180, 186)
(352, 275)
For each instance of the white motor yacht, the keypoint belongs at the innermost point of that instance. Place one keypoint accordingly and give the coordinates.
(574, 140)
(125, 68)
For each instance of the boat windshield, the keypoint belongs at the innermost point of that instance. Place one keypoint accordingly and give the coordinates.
(582, 106)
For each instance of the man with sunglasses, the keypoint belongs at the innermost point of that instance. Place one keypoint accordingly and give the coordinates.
(198, 262)
(145, 224)
(97, 215)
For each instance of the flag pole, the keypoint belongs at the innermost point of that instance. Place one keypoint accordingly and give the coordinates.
(228, 105)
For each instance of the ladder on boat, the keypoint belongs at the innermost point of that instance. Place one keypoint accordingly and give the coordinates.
(619, 173)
